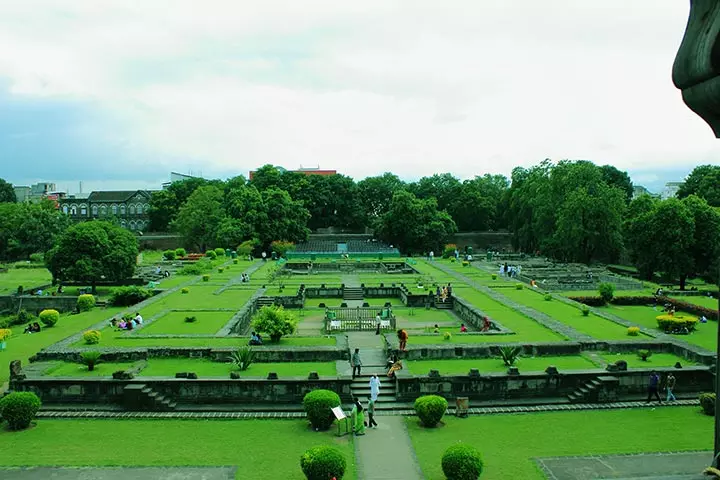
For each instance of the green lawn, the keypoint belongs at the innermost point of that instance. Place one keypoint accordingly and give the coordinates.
(490, 365)
(69, 369)
(270, 449)
(114, 339)
(648, 292)
(656, 360)
(21, 346)
(413, 315)
(460, 339)
(596, 327)
(508, 443)
(200, 296)
(173, 323)
(707, 302)
(168, 367)
(27, 277)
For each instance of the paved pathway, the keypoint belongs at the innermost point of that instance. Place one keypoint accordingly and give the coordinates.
(385, 452)
(119, 473)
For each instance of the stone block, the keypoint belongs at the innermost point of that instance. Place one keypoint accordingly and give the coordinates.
(313, 376)
(181, 375)
(513, 371)
(474, 372)
(192, 376)
(234, 375)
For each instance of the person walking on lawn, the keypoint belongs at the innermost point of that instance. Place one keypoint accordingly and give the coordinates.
(670, 386)
(653, 384)
(355, 363)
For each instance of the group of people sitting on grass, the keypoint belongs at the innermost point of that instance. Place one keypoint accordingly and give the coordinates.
(255, 339)
(32, 328)
(127, 323)
(245, 278)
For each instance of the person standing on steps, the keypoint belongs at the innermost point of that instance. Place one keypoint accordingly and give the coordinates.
(378, 322)
(374, 387)
(371, 412)
(355, 363)
(670, 386)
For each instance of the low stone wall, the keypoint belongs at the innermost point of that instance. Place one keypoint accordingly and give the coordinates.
(499, 386)
(288, 301)
(473, 316)
(413, 300)
(324, 292)
(381, 292)
(480, 350)
(240, 322)
(35, 304)
(108, 391)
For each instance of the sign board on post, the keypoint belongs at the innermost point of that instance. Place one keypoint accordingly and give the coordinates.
(339, 416)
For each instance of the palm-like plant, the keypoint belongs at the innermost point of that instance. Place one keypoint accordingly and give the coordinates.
(509, 354)
(90, 358)
(242, 357)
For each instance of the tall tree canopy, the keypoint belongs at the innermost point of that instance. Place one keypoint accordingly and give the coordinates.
(376, 193)
(27, 228)
(92, 252)
(703, 181)
(199, 219)
(7, 193)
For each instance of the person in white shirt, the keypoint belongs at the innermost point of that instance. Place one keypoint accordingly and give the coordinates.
(138, 319)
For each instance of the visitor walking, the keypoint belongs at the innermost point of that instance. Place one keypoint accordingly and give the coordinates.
(264, 256)
(670, 386)
(371, 413)
(432, 255)
(378, 322)
(358, 418)
(403, 338)
(374, 387)
(355, 363)
(653, 383)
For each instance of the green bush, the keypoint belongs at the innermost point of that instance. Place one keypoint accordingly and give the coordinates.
(318, 405)
(23, 317)
(449, 250)
(509, 354)
(90, 358)
(206, 278)
(430, 409)
(669, 323)
(447, 336)
(585, 310)
(85, 302)
(323, 463)
(519, 286)
(465, 263)
(190, 319)
(49, 317)
(220, 252)
(644, 354)
(235, 261)
(180, 252)
(221, 269)
(591, 301)
(547, 297)
(453, 259)
(185, 290)
(494, 276)
(169, 254)
(91, 337)
(633, 331)
(37, 257)
(127, 296)
(242, 357)
(211, 254)
(19, 409)
(274, 321)
(607, 291)
(707, 402)
(462, 462)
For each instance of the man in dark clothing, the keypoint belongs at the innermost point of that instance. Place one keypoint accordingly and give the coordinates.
(653, 384)
(355, 363)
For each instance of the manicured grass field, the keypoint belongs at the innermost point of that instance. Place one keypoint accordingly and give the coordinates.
(414, 315)
(508, 443)
(21, 346)
(27, 277)
(656, 360)
(496, 365)
(707, 302)
(184, 442)
(173, 323)
(69, 369)
(111, 339)
(592, 325)
(168, 367)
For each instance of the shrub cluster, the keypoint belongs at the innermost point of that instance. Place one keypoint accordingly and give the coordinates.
(19, 409)
(185, 290)
(633, 331)
(643, 354)
(519, 286)
(191, 319)
(430, 409)
(206, 278)
(127, 296)
(707, 402)
(449, 250)
(462, 462)
(37, 257)
(5, 333)
(590, 301)
(85, 302)
(220, 252)
(180, 252)
(585, 310)
(607, 291)
(547, 297)
(211, 254)
(494, 276)
(447, 336)
(318, 405)
(698, 310)
(92, 337)
(221, 269)
(169, 254)
(49, 317)
(322, 463)
(668, 323)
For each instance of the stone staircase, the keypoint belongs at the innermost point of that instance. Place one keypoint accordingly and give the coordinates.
(353, 293)
(446, 305)
(360, 389)
(140, 397)
(601, 389)
(264, 302)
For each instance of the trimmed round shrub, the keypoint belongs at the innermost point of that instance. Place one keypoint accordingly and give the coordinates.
(430, 409)
(185, 290)
(322, 463)
(585, 310)
(668, 323)
(127, 296)
(211, 254)
(180, 252)
(235, 261)
(494, 276)
(85, 302)
(221, 269)
(465, 263)
(19, 409)
(318, 405)
(49, 317)
(37, 257)
(461, 462)
(547, 297)
(607, 291)
(519, 286)
(452, 259)
(707, 402)
(5, 333)
(220, 252)
(633, 331)
(447, 336)
(91, 337)
(170, 254)
(206, 278)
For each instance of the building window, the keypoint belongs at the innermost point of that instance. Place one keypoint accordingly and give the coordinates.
(94, 210)
(114, 209)
(146, 208)
(132, 225)
(103, 210)
(131, 210)
(139, 209)
(73, 210)
(122, 209)
(83, 210)
(123, 224)
(65, 209)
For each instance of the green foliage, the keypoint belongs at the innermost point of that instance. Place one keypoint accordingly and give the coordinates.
(37, 257)
(7, 192)
(585, 310)
(462, 462)
(519, 286)
(633, 331)
(707, 402)
(318, 405)
(275, 321)
(202, 265)
(465, 263)
(430, 409)
(127, 296)
(247, 247)
(93, 251)
(90, 358)
(169, 254)
(18, 409)
(211, 254)
(493, 276)
(643, 354)
(21, 318)
(235, 261)
(221, 269)
(607, 291)
(242, 357)
(180, 252)
(5, 333)
(185, 290)
(547, 297)
(703, 181)
(49, 317)
(376, 193)
(670, 323)
(92, 337)
(509, 354)
(199, 219)
(190, 319)
(281, 247)
(220, 252)
(206, 278)
(449, 250)
(85, 302)
(323, 463)
(447, 336)
(28, 228)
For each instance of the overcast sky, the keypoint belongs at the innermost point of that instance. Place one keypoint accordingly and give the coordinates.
(119, 93)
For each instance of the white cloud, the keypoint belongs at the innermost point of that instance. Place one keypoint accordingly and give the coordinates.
(411, 87)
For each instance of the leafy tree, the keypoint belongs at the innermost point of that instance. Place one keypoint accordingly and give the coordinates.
(332, 200)
(618, 179)
(7, 193)
(703, 181)
(444, 187)
(376, 194)
(93, 251)
(200, 218)
(274, 321)
(266, 177)
(480, 203)
(282, 218)
(165, 204)
(27, 228)
(415, 225)
(638, 223)
(705, 248)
